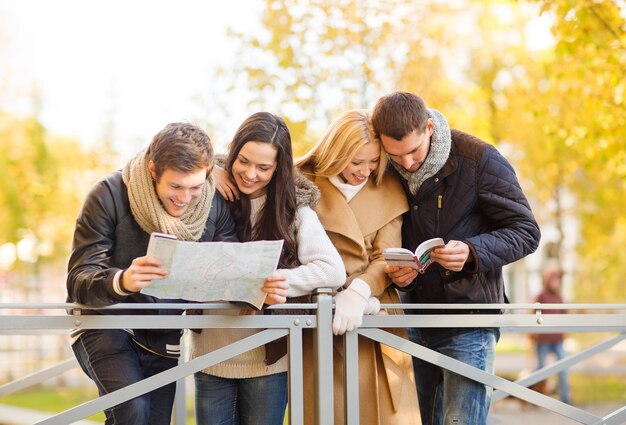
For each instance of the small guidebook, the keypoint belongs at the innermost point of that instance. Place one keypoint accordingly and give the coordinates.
(213, 271)
(419, 260)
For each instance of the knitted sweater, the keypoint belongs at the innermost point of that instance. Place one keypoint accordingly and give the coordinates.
(321, 266)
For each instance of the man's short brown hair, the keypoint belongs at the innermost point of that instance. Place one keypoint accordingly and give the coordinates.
(398, 114)
(181, 147)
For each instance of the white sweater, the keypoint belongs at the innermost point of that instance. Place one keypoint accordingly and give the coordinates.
(321, 266)
(348, 190)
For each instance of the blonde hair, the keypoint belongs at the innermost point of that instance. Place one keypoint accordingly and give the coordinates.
(342, 139)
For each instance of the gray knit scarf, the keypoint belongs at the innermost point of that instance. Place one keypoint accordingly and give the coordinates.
(438, 154)
(150, 214)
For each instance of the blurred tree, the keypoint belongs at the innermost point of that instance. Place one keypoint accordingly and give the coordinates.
(442, 39)
(43, 180)
(570, 123)
(313, 59)
(43, 177)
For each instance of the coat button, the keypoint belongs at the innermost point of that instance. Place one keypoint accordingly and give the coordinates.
(436, 179)
(447, 273)
(415, 207)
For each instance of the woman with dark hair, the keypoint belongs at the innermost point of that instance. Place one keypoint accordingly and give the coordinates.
(273, 204)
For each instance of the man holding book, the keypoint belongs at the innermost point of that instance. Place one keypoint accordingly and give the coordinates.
(167, 188)
(463, 190)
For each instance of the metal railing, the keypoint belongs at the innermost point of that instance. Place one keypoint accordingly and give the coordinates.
(522, 318)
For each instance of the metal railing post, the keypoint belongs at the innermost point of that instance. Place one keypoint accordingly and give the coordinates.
(323, 341)
(296, 377)
(351, 377)
(180, 405)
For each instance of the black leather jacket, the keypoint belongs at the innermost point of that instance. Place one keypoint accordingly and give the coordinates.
(107, 239)
(475, 198)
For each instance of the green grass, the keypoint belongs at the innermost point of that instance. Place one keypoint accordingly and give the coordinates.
(53, 400)
(588, 389)
(59, 400)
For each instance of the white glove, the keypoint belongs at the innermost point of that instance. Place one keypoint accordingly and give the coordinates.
(350, 304)
(373, 306)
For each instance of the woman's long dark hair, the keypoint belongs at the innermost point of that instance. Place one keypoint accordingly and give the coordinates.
(278, 214)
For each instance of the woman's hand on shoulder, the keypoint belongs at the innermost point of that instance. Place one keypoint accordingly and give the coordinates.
(275, 286)
(224, 185)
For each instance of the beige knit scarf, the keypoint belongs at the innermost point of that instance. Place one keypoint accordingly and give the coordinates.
(150, 214)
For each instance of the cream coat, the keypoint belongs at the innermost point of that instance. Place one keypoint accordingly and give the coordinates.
(360, 230)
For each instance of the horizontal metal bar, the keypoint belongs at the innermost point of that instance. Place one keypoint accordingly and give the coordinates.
(10, 324)
(13, 323)
(146, 306)
(218, 306)
(548, 323)
(520, 306)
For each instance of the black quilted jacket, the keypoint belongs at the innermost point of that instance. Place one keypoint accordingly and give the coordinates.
(474, 198)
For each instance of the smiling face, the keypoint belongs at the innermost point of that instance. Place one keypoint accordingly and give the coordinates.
(364, 162)
(254, 168)
(177, 190)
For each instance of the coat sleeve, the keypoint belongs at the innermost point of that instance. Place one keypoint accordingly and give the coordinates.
(90, 271)
(222, 220)
(388, 236)
(321, 266)
(512, 230)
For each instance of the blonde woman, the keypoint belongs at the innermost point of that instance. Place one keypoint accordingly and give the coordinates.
(361, 210)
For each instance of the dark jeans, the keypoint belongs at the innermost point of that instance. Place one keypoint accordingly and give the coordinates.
(444, 396)
(247, 401)
(113, 360)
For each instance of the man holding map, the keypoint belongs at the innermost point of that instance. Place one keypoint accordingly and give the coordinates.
(166, 188)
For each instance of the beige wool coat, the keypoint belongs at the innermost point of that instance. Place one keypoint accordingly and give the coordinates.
(360, 230)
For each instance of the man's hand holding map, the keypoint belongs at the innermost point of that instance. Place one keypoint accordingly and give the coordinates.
(213, 271)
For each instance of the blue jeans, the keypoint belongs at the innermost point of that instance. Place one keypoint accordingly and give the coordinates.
(543, 350)
(446, 397)
(247, 401)
(112, 360)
